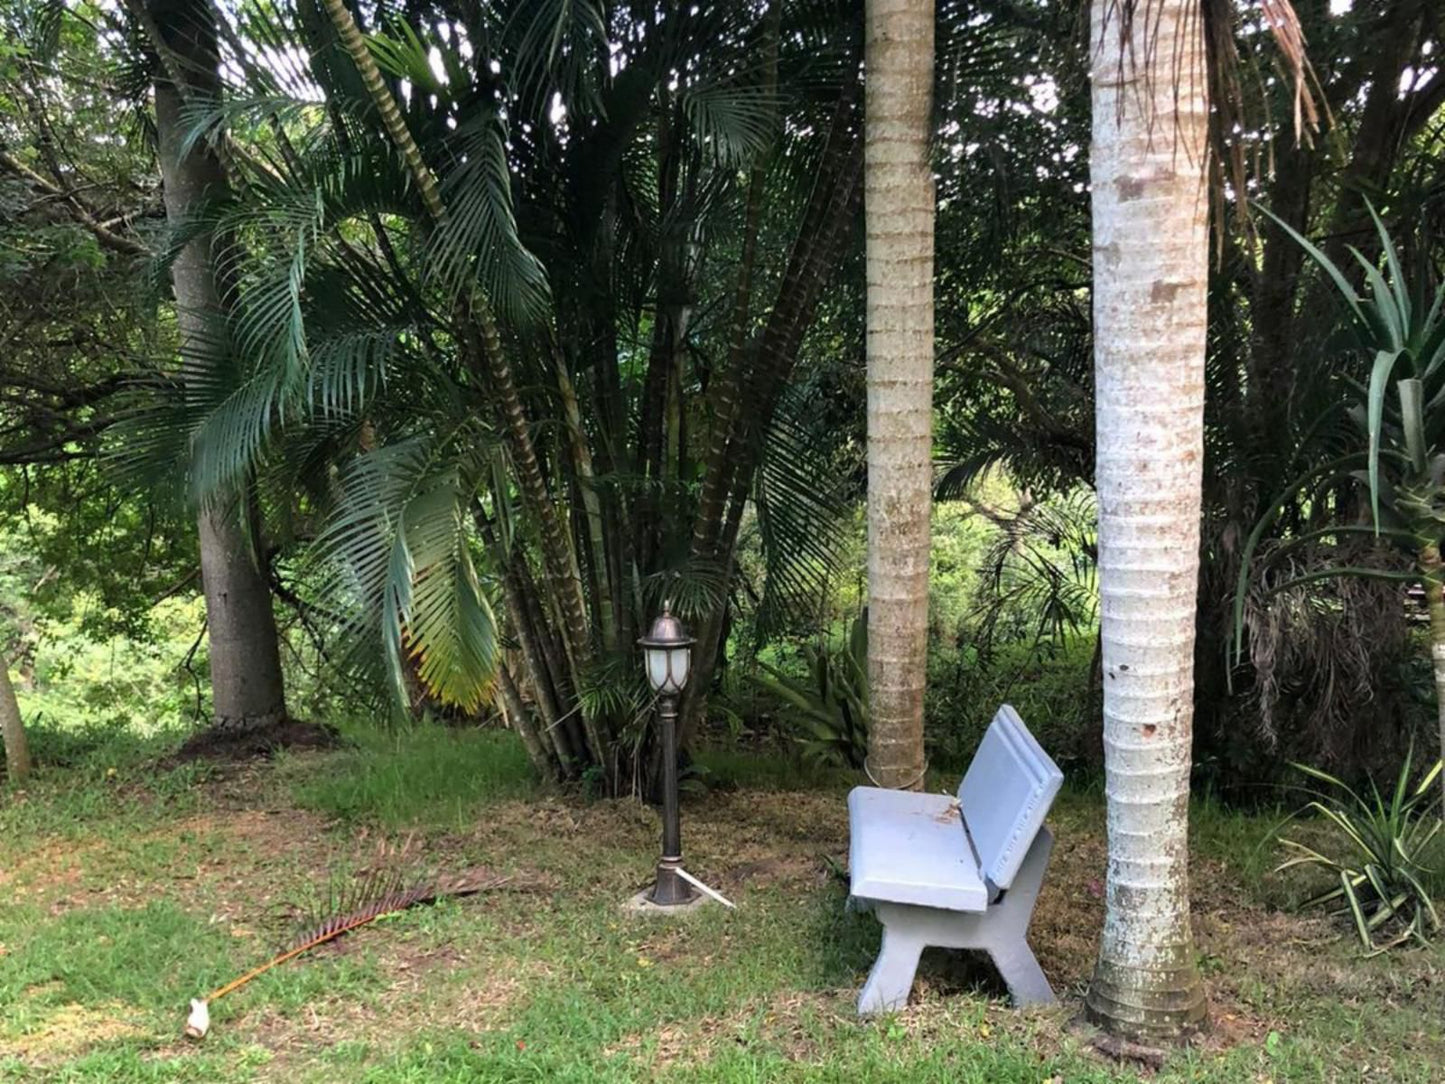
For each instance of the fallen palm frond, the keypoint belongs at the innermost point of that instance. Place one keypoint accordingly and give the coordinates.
(379, 893)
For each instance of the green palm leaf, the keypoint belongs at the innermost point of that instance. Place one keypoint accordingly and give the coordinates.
(397, 551)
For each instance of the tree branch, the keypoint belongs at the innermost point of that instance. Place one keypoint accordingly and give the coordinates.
(106, 236)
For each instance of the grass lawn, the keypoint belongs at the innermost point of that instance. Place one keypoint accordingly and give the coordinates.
(127, 893)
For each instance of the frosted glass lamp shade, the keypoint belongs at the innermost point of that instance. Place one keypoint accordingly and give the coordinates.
(667, 668)
(667, 653)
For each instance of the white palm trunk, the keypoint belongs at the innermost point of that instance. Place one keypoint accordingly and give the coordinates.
(1150, 241)
(898, 208)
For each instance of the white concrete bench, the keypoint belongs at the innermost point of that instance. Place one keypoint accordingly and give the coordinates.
(957, 873)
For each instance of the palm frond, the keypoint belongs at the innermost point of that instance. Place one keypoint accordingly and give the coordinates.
(479, 239)
(801, 520)
(397, 548)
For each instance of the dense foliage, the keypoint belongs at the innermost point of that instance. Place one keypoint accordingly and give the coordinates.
(591, 337)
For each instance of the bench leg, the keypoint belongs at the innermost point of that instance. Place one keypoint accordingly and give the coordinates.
(1022, 974)
(1004, 928)
(892, 976)
(1001, 931)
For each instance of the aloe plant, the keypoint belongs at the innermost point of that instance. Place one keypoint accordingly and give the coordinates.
(831, 704)
(1399, 415)
(1382, 885)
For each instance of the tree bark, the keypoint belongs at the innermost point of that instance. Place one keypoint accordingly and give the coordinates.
(1150, 211)
(587, 489)
(12, 729)
(1434, 570)
(898, 215)
(245, 658)
(520, 720)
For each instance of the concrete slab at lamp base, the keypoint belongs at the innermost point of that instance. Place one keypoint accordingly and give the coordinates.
(957, 873)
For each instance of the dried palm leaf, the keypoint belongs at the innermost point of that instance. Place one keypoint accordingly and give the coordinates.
(378, 893)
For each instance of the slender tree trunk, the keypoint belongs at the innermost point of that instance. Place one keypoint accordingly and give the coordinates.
(1150, 208)
(592, 506)
(898, 214)
(245, 658)
(826, 223)
(1273, 351)
(520, 720)
(1385, 124)
(819, 246)
(12, 729)
(1434, 569)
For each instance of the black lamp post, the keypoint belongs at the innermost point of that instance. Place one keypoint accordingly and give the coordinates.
(667, 653)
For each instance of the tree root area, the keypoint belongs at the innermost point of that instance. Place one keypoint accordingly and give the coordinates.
(227, 743)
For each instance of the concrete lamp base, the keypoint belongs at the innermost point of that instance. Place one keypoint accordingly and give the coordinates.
(641, 904)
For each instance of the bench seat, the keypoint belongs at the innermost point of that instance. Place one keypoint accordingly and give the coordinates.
(912, 848)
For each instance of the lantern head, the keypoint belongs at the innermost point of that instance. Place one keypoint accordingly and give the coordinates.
(667, 653)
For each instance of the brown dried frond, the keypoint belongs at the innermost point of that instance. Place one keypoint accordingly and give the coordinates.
(393, 882)
(1318, 649)
(1289, 38)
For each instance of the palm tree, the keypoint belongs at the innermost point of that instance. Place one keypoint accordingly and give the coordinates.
(245, 659)
(898, 209)
(441, 302)
(1150, 242)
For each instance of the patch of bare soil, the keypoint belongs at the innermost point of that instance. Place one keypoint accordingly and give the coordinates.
(227, 744)
(70, 1030)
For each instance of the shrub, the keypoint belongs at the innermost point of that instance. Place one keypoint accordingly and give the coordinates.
(1383, 883)
(831, 703)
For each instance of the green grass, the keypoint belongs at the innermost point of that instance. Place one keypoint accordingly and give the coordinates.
(112, 924)
(426, 775)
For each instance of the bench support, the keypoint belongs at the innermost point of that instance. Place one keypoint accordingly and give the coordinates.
(1001, 931)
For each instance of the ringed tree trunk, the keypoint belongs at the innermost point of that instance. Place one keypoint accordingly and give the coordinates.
(1434, 574)
(1150, 209)
(898, 213)
(246, 682)
(12, 729)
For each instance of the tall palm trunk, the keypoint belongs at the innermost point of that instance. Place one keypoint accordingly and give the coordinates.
(1150, 244)
(246, 681)
(898, 212)
(12, 730)
(1433, 568)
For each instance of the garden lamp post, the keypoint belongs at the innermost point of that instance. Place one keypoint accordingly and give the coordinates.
(667, 654)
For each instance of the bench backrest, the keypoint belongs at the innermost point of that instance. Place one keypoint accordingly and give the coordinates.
(1005, 796)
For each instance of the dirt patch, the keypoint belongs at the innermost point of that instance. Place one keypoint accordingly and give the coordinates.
(775, 870)
(70, 1030)
(227, 744)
